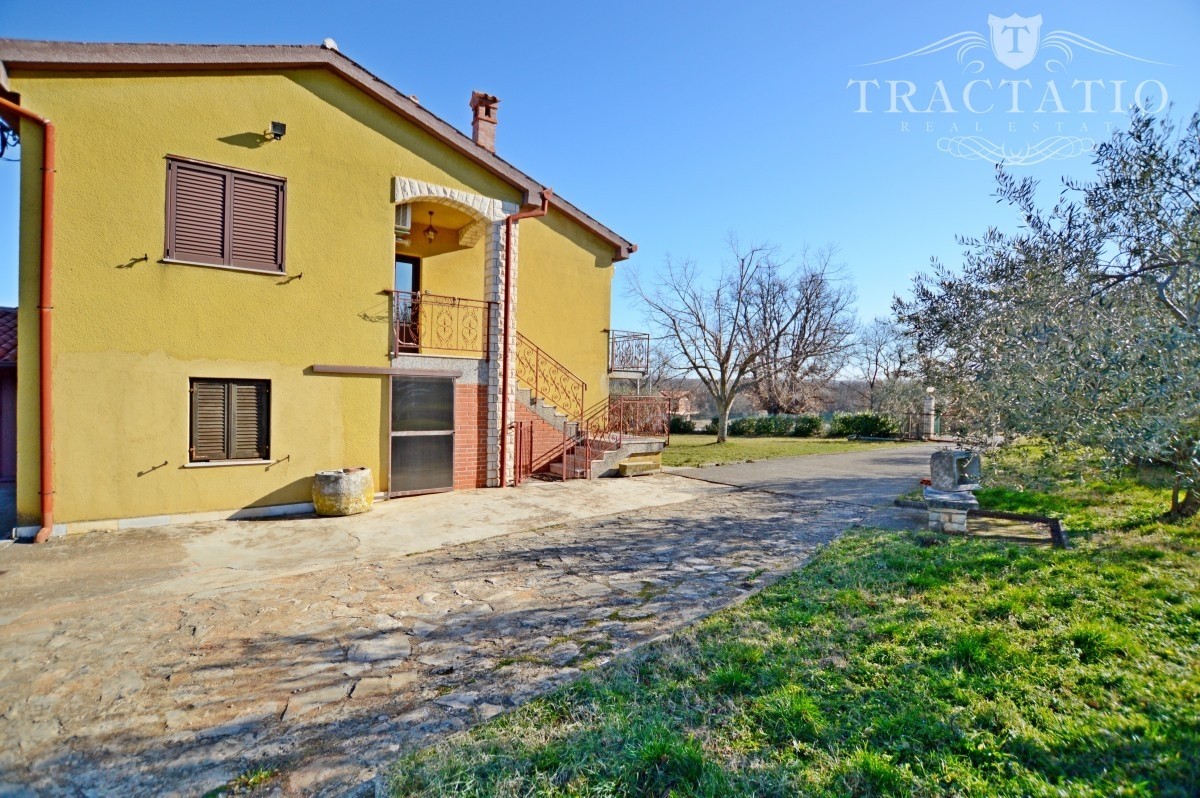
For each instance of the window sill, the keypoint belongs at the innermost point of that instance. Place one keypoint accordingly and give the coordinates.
(219, 463)
(242, 269)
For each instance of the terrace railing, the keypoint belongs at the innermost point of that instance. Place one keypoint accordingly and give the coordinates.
(628, 351)
(424, 321)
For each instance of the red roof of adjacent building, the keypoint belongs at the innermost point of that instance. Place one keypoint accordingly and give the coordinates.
(8, 335)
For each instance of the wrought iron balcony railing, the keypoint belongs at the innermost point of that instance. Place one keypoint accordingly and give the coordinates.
(628, 352)
(422, 322)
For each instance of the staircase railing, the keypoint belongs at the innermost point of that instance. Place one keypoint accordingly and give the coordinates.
(636, 416)
(549, 380)
(610, 422)
(587, 431)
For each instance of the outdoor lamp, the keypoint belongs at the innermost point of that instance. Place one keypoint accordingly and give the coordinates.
(277, 130)
(430, 231)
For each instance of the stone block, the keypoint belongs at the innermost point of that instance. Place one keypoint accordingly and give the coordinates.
(954, 470)
(303, 703)
(950, 500)
(345, 492)
(388, 646)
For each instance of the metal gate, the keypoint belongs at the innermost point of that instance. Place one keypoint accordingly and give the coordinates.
(523, 454)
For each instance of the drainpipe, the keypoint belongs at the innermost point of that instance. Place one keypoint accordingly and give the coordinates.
(44, 319)
(509, 223)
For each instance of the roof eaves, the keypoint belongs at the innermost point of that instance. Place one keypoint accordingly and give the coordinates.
(29, 54)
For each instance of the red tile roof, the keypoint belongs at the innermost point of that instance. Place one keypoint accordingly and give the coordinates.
(8, 335)
(90, 57)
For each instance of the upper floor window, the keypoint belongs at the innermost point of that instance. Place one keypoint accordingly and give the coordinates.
(224, 217)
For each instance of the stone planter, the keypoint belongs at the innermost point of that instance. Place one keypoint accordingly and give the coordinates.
(346, 492)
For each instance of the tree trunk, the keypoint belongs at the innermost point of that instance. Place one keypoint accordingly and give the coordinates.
(1188, 507)
(723, 421)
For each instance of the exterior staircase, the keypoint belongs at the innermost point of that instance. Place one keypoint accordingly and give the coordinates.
(601, 455)
(595, 461)
(596, 440)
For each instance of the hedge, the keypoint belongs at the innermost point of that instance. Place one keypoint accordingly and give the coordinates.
(866, 425)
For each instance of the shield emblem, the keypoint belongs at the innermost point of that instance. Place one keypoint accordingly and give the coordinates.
(1015, 39)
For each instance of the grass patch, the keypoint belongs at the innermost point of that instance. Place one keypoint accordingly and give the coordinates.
(248, 782)
(890, 666)
(1070, 484)
(694, 450)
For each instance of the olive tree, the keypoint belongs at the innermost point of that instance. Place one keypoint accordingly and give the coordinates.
(1083, 326)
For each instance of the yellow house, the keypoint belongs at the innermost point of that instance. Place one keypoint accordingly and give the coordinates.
(243, 265)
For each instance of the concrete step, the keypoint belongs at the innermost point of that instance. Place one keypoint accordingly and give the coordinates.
(547, 412)
(606, 462)
(640, 463)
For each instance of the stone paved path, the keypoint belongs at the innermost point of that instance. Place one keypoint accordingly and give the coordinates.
(331, 673)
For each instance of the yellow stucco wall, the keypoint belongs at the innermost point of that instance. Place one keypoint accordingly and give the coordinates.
(129, 333)
(564, 288)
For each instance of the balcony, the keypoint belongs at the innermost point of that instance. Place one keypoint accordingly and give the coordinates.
(431, 324)
(628, 354)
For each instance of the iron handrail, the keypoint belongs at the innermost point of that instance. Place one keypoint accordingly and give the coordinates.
(562, 387)
(606, 425)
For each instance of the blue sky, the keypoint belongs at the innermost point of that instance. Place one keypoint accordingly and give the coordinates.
(677, 124)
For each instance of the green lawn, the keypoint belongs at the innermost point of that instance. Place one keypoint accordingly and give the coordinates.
(693, 450)
(896, 663)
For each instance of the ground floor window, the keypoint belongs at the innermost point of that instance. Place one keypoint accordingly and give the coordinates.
(422, 435)
(230, 420)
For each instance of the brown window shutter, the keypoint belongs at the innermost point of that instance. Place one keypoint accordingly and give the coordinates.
(209, 420)
(230, 420)
(248, 433)
(196, 214)
(257, 224)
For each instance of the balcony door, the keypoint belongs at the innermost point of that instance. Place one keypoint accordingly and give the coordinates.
(422, 435)
(406, 307)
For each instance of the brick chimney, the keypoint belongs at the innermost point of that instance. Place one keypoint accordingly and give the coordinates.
(483, 125)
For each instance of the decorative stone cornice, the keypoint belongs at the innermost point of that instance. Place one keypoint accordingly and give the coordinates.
(484, 211)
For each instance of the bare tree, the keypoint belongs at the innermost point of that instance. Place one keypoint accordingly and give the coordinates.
(717, 331)
(803, 324)
(882, 356)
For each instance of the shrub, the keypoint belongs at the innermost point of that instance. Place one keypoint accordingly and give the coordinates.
(778, 426)
(867, 425)
(742, 426)
(711, 427)
(806, 426)
(682, 426)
